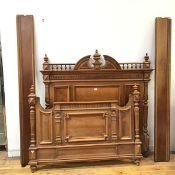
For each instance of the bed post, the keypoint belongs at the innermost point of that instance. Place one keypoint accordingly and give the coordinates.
(45, 78)
(145, 146)
(32, 148)
(136, 95)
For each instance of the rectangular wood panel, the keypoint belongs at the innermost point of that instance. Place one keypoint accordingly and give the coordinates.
(61, 93)
(162, 89)
(57, 124)
(45, 128)
(26, 73)
(125, 124)
(97, 93)
(78, 128)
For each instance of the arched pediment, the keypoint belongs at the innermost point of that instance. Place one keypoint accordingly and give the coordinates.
(85, 63)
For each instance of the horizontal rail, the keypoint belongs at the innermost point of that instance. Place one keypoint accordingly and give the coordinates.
(132, 65)
(70, 66)
(61, 67)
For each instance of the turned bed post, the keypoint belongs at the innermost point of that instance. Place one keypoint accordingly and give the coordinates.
(136, 99)
(136, 94)
(32, 148)
(146, 65)
(45, 78)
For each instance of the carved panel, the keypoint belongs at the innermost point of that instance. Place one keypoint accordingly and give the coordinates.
(57, 118)
(94, 75)
(83, 63)
(61, 93)
(114, 125)
(45, 128)
(87, 152)
(110, 63)
(125, 123)
(97, 93)
(87, 126)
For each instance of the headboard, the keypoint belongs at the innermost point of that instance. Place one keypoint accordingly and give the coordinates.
(99, 78)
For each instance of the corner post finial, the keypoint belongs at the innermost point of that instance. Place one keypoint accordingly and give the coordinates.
(46, 63)
(146, 63)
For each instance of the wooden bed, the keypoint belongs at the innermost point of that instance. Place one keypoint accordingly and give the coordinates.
(96, 109)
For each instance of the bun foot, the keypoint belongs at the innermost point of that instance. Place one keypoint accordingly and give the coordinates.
(33, 168)
(137, 162)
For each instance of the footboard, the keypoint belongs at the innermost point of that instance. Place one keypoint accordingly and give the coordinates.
(81, 131)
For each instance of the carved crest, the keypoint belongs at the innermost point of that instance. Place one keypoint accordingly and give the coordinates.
(97, 62)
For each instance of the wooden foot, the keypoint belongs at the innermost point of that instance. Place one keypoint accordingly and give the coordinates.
(137, 162)
(33, 168)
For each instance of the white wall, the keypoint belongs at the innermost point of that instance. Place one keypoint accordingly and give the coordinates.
(123, 29)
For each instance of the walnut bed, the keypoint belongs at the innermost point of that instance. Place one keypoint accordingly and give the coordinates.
(96, 109)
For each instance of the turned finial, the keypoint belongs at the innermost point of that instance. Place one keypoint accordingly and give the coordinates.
(46, 58)
(146, 57)
(146, 63)
(32, 89)
(96, 53)
(46, 63)
(97, 58)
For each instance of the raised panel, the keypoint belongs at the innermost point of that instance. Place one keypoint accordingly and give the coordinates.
(97, 93)
(58, 132)
(87, 152)
(125, 124)
(45, 127)
(114, 125)
(126, 149)
(46, 153)
(61, 93)
(80, 127)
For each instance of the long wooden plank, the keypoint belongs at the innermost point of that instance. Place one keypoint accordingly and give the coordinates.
(162, 89)
(25, 38)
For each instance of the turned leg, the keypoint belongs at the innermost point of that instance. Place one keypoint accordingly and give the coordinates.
(33, 168)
